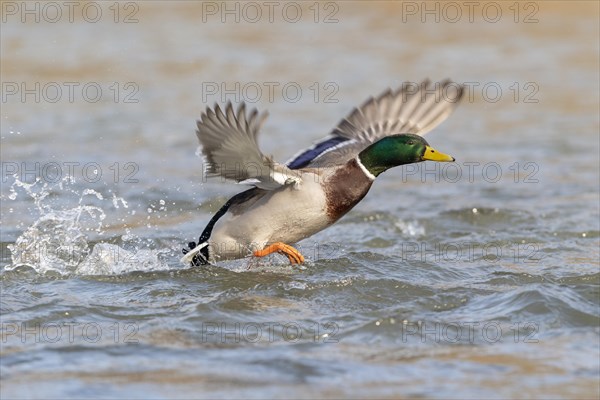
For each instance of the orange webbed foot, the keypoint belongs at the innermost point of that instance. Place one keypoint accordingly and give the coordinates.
(292, 254)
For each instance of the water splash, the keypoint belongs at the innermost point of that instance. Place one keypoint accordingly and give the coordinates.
(55, 242)
(109, 259)
(58, 241)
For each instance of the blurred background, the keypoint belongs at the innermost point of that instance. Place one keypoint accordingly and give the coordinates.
(478, 280)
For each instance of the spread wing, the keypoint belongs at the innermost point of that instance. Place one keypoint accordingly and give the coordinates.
(412, 108)
(230, 147)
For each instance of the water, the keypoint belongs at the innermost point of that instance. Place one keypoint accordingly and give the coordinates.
(474, 280)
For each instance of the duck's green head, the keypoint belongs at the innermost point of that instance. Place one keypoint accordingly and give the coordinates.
(395, 150)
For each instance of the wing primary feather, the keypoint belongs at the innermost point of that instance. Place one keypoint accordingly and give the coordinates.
(229, 141)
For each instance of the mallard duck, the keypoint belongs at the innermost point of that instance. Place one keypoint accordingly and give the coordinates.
(315, 188)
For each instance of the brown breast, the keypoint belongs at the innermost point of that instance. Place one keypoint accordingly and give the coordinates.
(344, 188)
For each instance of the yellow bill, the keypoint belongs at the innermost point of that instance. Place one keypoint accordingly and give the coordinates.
(433, 155)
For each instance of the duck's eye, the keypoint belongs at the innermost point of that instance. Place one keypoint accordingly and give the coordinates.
(411, 142)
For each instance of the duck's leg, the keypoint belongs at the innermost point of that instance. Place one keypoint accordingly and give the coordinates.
(292, 254)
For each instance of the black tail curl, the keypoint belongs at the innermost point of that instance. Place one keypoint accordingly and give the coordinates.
(199, 259)
(203, 256)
